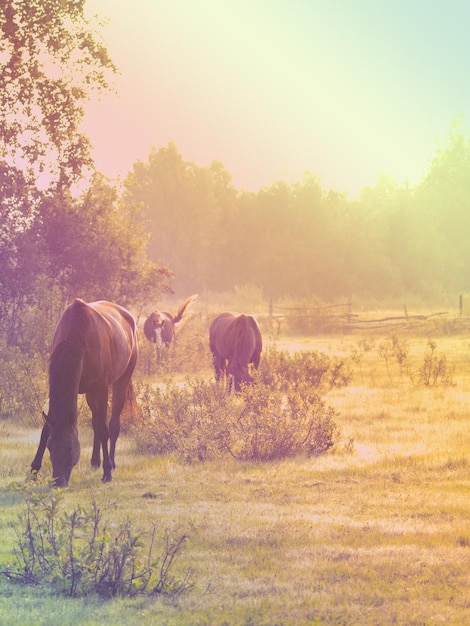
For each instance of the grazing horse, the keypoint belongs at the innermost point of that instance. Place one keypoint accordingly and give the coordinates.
(94, 347)
(159, 327)
(235, 341)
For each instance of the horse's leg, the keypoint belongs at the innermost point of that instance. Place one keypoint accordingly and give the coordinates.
(98, 402)
(120, 391)
(37, 461)
(219, 366)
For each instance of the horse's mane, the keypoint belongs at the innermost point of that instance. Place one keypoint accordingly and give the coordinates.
(66, 360)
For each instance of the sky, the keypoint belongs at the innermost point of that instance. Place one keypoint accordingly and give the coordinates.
(344, 89)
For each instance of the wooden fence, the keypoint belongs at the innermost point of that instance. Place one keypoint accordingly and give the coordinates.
(341, 316)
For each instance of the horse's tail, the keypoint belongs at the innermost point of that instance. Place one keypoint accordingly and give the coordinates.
(131, 406)
(255, 357)
(178, 317)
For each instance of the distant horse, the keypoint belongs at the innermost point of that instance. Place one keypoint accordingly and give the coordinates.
(94, 347)
(159, 327)
(235, 341)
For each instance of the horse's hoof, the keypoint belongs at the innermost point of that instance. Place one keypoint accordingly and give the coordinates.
(106, 479)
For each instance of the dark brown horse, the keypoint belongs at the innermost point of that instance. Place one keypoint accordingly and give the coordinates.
(159, 327)
(235, 342)
(94, 347)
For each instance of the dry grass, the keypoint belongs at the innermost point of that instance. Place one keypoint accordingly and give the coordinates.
(378, 535)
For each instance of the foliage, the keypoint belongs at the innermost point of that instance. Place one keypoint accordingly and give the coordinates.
(397, 350)
(51, 61)
(52, 242)
(435, 369)
(97, 248)
(284, 371)
(80, 553)
(22, 385)
(303, 241)
(180, 197)
(282, 415)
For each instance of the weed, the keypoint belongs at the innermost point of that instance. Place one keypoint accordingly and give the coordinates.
(80, 553)
(435, 370)
(395, 350)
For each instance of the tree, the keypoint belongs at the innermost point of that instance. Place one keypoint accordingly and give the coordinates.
(51, 62)
(183, 204)
(19, 245)
(443, 201)
(96, 248)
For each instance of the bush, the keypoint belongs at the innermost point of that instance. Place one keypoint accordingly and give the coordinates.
(186, 419)
(435, 369)
(79, 553)
(271, 425)
(284, 371)
(282, 415)
(23, 384)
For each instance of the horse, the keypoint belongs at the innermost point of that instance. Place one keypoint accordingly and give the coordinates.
(159, 327)
(94, 347)
(235, 342)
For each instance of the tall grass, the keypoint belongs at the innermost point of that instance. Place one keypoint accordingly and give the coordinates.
(374, 534)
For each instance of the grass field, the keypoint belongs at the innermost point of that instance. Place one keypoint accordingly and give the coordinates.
(376, 533)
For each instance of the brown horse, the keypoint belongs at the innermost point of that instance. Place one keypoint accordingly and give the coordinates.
(235, 341)
(159, 327)
(94, 346)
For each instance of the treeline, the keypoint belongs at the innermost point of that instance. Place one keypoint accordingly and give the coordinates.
(175, 225)
(298, 240)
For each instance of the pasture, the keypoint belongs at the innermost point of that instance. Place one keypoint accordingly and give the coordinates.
(374, 532)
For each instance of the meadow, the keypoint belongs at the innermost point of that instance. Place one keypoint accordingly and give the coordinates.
(373, 532)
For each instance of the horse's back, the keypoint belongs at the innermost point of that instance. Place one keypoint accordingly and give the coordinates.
(231, 332)
(105, 333)
(111, 310)
(74, 320)
(219, 330)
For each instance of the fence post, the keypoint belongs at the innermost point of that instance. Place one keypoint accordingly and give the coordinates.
(461, 304)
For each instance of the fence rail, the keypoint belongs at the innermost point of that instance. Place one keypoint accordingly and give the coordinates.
(348, 320)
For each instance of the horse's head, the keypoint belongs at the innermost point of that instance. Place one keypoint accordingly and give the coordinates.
(158, 335)
(64, 448)
(241, 375)
(158, 328)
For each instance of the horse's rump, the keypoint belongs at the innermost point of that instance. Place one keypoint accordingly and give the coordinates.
(235, 339)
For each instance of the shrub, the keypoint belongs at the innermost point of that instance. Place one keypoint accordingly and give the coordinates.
(80, 553)
(271, 425)
(281, 415)
(23, 384)
(186, 419)
(283, 371)
(435, 369)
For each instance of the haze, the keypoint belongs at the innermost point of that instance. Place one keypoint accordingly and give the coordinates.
(343, 89)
